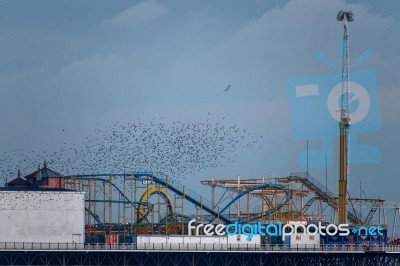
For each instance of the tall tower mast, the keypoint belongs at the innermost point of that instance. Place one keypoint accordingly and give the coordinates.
(344, 123)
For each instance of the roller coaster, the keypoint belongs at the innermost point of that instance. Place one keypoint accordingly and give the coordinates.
(149, 203)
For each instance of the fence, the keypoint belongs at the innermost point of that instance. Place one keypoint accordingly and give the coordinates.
(197, 247)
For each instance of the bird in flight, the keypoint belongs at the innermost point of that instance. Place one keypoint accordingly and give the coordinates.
(227, 89)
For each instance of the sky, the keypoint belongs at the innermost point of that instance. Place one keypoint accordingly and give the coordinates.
(69, 68)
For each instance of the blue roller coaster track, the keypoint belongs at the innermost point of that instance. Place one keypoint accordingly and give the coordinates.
(195, 198)
(171, 185)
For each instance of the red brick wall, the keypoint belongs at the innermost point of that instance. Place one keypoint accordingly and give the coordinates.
(55, 183)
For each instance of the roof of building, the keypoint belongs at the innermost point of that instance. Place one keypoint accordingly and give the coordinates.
(18, 182)
(35, 189)
(44, 173)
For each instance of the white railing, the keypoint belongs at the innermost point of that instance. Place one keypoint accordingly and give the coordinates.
(197, 247)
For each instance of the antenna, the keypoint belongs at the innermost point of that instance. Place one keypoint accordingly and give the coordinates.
(307, 159)
(344, 123)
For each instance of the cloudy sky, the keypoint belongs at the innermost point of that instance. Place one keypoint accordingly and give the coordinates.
(69, 67)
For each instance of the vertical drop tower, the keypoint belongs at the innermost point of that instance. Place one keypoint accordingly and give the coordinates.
(344, 122)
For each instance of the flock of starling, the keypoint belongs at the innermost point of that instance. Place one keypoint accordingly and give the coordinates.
(39, 200)
(175, 149)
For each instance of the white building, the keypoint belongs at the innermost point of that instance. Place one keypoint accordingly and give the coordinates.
(304, 240)
(37, 215)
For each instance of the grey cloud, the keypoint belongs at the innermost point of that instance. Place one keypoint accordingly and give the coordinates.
(136, 15)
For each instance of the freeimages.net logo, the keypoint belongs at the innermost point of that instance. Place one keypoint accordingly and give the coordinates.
(314, 104)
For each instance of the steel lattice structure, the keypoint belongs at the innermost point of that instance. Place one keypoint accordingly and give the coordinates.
(143, 203)
(196, 258)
